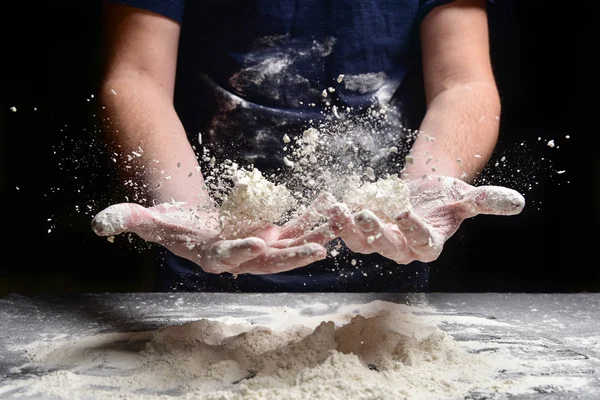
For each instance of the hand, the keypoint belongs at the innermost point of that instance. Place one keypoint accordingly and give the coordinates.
(195, 235)
(439, 205)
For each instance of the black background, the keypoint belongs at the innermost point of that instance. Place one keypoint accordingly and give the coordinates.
(544, 60)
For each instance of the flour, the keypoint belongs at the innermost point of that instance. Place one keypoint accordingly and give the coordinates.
(318, 160)
(365, 83)
(386, 198)
(252, 202)
(378, 350)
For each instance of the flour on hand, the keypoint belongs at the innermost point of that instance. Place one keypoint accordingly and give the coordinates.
(386, 197)
(252, 202)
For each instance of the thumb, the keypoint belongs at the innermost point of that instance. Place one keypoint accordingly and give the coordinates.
(119, 218)
(493, 200)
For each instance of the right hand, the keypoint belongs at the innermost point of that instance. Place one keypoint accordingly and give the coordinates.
(440, 204)
(196, 236)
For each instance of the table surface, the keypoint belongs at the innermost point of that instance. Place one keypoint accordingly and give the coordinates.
(558, 326)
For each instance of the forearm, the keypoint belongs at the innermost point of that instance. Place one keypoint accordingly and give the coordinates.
(155, 158)
(458, 134)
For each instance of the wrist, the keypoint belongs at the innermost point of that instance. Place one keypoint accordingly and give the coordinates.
(418, 166)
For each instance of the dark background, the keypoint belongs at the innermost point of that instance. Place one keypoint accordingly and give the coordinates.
(544, 58)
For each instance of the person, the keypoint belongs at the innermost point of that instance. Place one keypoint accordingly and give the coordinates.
(243, 74)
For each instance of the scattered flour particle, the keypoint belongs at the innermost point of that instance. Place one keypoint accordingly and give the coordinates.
(111, 239)
(287, 162)
(340, 78)
(409, 159)
(334, 109)
(13, 109)
(370, 173)
(330, 89)
(477, 156)
(286, 138)
(551, 143)
(334, 253)
(393, 149)
(353, 262)
(199, 137)
(503, 158)
(113, 92)
(567, 137)
(370, 239)
(311, 135)
(561, 172)
(324, 93)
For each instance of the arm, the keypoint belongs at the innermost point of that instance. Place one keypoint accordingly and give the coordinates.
(463, 105)
(460, 123)
(137, 93)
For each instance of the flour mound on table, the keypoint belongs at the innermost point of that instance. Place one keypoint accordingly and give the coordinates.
(252, 202)
(376, 350)
(380, 341)
(379, 350)
(385, 198)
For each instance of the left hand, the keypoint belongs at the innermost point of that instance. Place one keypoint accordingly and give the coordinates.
(439, 205)
(194, 234)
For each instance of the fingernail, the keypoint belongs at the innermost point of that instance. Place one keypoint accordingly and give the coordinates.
(402, 215)
(365, 221)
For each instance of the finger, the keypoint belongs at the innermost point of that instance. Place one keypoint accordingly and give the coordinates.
(226, 255)
(383, 238)
(282, 244)
(340, 218)
(343, 224)
(320, 235)
(298, 226)
(280, 260)
(493, 200)
(119, 218)
(267, 232)
(416, 231)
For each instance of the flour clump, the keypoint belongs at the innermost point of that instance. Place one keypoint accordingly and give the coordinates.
(386, 197)
(252, 202)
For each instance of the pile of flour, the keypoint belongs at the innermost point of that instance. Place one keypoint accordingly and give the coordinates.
(253, 201)
(378, 350)
(386, 197)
